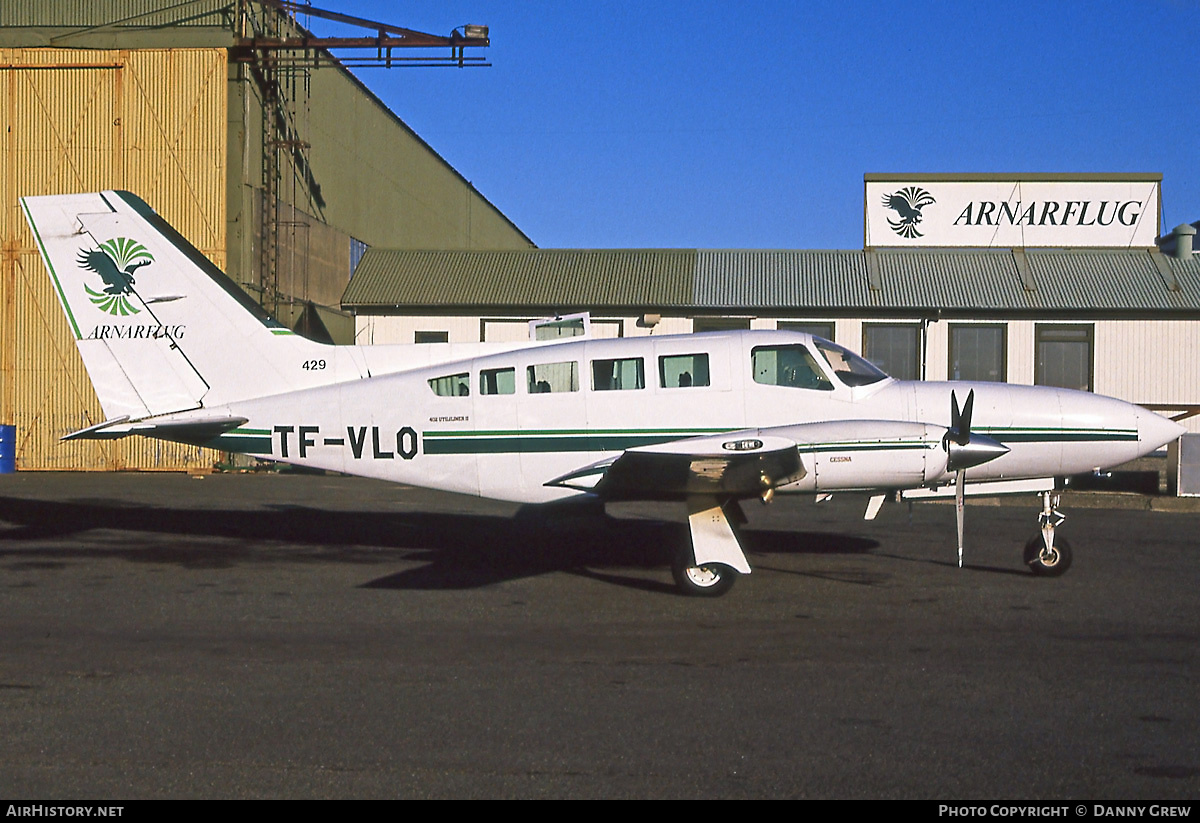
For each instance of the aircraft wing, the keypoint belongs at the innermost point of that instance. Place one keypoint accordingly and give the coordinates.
(737, 464)
(847, 454)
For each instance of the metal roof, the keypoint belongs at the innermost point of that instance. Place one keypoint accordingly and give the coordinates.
(973, 280)
(551, 277)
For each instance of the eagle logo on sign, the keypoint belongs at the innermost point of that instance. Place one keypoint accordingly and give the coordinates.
(907, 203)
(115, 261)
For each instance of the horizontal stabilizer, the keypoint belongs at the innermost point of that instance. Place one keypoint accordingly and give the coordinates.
(100, 431)
(193, 430)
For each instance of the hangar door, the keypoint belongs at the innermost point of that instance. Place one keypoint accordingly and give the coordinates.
(149, 121)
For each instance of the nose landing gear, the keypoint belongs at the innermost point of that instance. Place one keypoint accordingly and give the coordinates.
(1045, 554)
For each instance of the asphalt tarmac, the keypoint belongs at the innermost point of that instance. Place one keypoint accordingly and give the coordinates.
(264, 636)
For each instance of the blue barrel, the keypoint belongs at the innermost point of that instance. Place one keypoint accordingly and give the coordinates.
(8, 449)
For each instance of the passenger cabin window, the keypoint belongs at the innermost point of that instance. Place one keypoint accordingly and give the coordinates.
(851, 369)
(553, 377)
(618, 375)
(682, 371)
(498, 381)
(431, 336)
(790, 366)
(452, 385)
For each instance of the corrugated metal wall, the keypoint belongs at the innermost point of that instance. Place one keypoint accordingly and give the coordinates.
(152, 121)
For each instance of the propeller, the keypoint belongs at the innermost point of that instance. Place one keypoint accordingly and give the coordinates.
(960, 433)
(964, 450)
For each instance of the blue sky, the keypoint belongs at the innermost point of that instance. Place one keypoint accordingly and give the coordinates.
(750, 124)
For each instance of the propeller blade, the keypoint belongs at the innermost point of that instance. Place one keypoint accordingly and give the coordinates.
(959, 482)
(964, 428)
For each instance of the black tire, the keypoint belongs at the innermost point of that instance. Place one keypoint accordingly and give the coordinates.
(712, 580)
(1052, 564)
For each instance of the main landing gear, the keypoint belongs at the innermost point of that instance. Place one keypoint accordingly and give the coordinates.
(1046, 554)
(710, 563)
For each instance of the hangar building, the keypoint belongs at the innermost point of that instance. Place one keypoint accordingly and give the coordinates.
(1060, 279)
(273, 160)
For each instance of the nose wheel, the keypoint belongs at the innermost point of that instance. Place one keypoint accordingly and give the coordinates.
(1046, 554)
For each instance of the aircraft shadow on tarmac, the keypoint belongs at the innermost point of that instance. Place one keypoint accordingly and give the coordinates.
(455, 550)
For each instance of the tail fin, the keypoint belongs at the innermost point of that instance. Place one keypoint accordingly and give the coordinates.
(159, 327)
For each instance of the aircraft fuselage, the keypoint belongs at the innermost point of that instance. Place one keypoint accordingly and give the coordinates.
(481, 425)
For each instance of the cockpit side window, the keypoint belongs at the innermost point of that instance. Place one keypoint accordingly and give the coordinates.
(790, 366)
(848, 366)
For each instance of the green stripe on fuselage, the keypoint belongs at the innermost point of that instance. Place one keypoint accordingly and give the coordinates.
(865, 447)
(244, 441)
(602, 440)
(1030, 435)
(598, 442)
(670, 434)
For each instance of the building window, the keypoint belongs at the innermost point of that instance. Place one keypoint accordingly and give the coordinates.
(895, 348)
(701, 324)
(815, 329)
(1063, 356)
(978, 352)
(431, 337)
(575, 325)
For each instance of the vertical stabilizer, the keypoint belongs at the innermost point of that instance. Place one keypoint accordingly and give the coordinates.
(160, 329)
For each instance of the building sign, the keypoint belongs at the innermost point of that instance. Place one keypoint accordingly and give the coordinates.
(1006, 212)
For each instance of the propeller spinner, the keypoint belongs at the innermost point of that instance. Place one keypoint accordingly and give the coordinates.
(964, 448)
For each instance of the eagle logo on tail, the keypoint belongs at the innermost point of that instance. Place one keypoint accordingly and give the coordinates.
(115, 261)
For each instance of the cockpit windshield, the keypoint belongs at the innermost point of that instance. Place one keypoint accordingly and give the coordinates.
(848, 366)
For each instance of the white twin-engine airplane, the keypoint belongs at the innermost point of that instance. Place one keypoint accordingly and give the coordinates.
(177, 351)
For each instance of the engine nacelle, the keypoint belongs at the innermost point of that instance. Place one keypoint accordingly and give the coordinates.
(838, 455)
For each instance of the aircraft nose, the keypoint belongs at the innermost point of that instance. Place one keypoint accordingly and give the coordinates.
(1155, 431)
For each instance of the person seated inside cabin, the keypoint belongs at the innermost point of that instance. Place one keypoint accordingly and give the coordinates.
(685, 380)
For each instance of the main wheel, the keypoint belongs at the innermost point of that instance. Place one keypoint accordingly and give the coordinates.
(711, 580)
(1052, 563)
